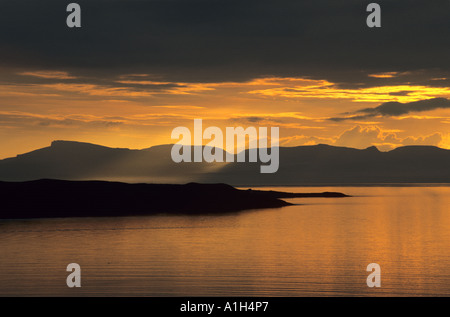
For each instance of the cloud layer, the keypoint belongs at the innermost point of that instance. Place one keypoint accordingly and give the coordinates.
(223, 40)
(362, 137)
(395, 109)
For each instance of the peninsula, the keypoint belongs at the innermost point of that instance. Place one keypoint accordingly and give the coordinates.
(47, 198)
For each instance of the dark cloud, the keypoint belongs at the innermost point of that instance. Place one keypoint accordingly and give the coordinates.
(254, 119)
(392, 109)
(222, 40)
(30, 120)
(397, 108)
(400, 93)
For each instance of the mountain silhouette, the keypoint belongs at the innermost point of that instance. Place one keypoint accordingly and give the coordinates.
(325, 164)
(302, 165)
(71, 160)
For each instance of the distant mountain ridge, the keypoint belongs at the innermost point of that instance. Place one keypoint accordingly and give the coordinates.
(302, 165)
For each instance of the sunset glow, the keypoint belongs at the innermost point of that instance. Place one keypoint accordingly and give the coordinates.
(136, 111)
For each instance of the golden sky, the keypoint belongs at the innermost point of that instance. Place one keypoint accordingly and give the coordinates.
(140, 110)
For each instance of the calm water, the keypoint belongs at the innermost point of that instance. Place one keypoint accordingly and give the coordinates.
(319, 248)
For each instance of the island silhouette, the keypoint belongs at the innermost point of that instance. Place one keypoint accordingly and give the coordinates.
(49, 198)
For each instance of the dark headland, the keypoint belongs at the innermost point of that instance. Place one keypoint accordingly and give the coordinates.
(48, 198)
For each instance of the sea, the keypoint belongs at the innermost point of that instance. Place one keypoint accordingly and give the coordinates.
(316, 247)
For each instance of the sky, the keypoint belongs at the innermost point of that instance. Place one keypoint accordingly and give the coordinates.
(137, 69)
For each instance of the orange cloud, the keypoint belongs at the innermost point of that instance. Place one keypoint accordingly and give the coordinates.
(384, 75)
(274, 87)
(48, 74)
(326, 90)
(97, 90)
(363, 137)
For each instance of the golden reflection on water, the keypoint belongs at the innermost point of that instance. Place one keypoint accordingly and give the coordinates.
(318, 248)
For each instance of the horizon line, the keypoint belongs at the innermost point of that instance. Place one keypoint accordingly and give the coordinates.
(205, 145)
